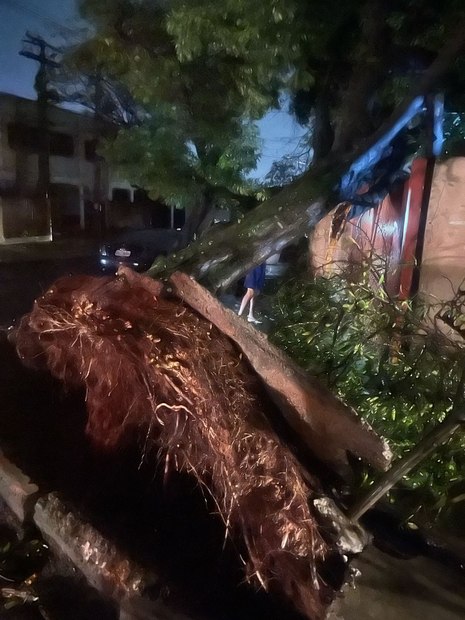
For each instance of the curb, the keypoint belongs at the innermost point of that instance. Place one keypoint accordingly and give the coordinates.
(33, 252)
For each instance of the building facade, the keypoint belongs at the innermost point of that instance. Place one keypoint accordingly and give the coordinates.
(84, 194)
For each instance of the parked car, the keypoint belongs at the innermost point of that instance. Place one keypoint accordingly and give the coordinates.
(112, 256)
(127, 252)
(135, 249)
(276, 267)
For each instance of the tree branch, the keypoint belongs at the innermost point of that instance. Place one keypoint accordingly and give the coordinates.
(222, 256)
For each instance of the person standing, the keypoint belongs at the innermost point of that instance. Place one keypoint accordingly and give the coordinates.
(254, 282)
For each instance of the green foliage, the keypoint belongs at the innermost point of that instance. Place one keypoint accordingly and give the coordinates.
(156, 156)
(203, 70)
(195, 139)
(259, 37)
(199, 73)
(377, 354)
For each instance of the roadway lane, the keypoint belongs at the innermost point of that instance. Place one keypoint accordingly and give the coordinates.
(22, 282)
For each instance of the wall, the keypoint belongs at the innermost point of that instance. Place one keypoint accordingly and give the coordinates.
(391, 231)
(443, 265)
(22, 215)
(339, 244)
(72, 181)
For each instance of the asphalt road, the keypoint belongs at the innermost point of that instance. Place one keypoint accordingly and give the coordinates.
(22, 282)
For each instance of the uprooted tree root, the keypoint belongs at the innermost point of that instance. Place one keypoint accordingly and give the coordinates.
(152, 367)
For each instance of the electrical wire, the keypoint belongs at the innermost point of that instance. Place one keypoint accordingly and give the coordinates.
(20, 7)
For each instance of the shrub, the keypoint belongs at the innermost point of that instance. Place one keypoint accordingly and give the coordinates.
(390, 362)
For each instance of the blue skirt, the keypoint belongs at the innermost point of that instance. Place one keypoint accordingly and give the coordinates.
(256, 278)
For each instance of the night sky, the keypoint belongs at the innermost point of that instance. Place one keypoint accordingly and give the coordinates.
(40, 17)
(279, 132)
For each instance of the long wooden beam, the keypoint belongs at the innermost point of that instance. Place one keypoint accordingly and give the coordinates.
(328, 427)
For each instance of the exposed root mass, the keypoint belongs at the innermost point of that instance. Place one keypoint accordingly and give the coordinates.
(152, 367)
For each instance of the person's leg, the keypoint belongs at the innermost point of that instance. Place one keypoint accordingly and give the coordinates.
(252, 300)
(251, 318)
(245, 300)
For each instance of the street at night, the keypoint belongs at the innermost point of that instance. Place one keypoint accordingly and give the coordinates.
(21, 282)
(263, 414)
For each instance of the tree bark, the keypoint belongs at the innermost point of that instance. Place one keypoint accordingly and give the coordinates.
(221, 256)
(197, 217)
(323, 134)
(328, 427)
(368, 70)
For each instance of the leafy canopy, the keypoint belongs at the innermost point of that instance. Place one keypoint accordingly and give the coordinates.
(357, 54)
(204, 70)
(196, 137)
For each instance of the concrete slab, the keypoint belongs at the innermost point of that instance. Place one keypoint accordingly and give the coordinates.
(392, 588)
(19, 493)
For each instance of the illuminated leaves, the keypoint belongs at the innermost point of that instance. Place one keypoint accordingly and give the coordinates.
(372, 352)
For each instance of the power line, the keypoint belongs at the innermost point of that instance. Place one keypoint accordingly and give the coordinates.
(19, 7)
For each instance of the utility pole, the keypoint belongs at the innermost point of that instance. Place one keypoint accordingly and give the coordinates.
(45, 54)
(98, 197)
(434, 119)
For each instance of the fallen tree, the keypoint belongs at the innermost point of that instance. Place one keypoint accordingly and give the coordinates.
(328, 428)
(220, 257)
(155, 368)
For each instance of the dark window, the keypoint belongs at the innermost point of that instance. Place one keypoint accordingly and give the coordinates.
(22, 137)
(61, 144)
(90, 150)
(120, 195)
(141, 197)
(26, 138)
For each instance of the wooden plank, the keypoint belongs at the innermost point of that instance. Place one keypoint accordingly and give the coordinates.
(327, 426)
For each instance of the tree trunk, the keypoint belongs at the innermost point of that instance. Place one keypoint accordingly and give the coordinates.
(199, 219)
(323, 423)
(369, 69)
(323, 134)
(221, 256)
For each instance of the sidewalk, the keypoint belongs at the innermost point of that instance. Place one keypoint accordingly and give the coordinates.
(49, 250)
(392, 588)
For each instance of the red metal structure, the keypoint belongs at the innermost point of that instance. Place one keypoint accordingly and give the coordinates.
(392, 231)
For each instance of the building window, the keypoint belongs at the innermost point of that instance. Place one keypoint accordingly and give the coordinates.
(90, 150)
(24, 138)
(120, 195)
(141, 197)
(61, 144)
(31, 139)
